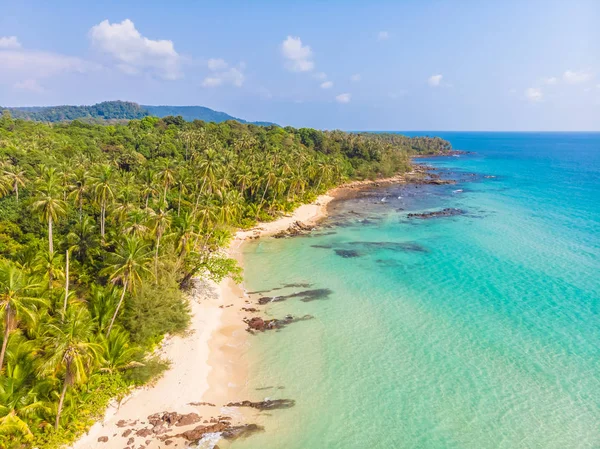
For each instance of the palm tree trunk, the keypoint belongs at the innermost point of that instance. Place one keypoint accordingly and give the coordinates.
(156, 258)
(112, 321)
(50, 236)
(263, 197)
(102, 215)
(17, 192)
(6, 334)
(62, 398)
(66, 286)
(179, 203)
(199, 195)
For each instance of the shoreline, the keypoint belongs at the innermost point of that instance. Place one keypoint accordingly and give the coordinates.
(209, 365)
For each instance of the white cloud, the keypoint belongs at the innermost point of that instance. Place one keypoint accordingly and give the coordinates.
(326, 85)
(135, 53)
(356, 77)
(9, 42)
(212, 81)
(383, 35)
(299, 57)
(435, 80)
(42, 64)
(534, 94)
(30, 85)
(550, 81)
(217, 64)
(573, 77)
(233, 76)
(343, 98)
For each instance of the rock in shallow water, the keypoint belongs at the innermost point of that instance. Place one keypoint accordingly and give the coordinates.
(267, 404)
(304, 296)
(260, 325)
(298, 228)
(347, 253)
(448, 212)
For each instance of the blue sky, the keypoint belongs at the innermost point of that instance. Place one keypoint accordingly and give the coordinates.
(379, 65)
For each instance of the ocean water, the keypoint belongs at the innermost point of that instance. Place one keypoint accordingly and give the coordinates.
(470, 332)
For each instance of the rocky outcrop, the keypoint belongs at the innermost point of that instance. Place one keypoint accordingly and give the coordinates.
(173, 418)
(257, 324)
(298, 228)
(448, 212)
(228, 431)
(304, 296)
(267, 404)
(236, 432)
(198, 432)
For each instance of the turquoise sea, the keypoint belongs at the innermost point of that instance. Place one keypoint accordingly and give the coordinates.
(470, 332)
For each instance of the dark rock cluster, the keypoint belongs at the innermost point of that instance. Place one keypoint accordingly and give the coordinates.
(298, 228)
(267, 404)
(447, 212)
(257, 324)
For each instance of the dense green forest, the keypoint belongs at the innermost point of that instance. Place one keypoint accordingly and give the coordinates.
(120, 111)
(102, 228)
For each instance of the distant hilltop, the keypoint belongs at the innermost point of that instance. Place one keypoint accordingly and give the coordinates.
(121, 110)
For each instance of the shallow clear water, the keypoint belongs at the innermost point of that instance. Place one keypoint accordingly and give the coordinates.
(475, 331)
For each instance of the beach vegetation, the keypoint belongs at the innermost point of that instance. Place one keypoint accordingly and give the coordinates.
(103, 228)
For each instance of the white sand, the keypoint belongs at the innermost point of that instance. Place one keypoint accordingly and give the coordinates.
(215, 342)
(307, 214)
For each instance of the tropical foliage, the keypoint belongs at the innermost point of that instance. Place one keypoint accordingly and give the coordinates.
(102, 226)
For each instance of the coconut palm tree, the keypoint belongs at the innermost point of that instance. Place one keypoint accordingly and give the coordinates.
(17, 300)
(70, 351)
(21, 402)
(185, 230)
(270, 176)
(162, 222)
(182, 181)
(103, 302)
(128, 266)
(15, 178)
(83, 240)
(243, 177)
(325, 171)
(208, 167)
(148, 187)
(79, 188)
(49, 205)
(137, 224)
(48, 266)
(166, 175)
(118, 353)
(103, 192)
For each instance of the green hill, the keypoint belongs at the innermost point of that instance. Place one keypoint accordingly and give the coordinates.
(191, 113)
(120, 110)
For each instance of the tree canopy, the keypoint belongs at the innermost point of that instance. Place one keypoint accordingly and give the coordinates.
(102, 226)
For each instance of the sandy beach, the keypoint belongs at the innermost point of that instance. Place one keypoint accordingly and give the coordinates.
(208, 365)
